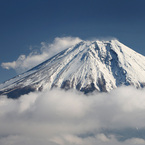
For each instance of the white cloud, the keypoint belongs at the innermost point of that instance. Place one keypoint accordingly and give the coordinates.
(109, 38)
(57, 117)
(136, 141)
(24, 63)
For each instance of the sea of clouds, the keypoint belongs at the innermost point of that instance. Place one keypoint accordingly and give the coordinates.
(58, 117)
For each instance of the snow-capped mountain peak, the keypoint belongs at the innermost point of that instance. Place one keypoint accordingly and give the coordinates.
(87, 66)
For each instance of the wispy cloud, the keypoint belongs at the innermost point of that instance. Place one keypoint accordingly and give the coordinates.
(57, 117)
(24, 62)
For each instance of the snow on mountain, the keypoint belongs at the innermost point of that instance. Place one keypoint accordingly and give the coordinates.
(87, 66)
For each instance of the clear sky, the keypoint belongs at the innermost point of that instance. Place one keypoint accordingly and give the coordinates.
(25, 23)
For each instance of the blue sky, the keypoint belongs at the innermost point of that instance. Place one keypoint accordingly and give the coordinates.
(25, 23)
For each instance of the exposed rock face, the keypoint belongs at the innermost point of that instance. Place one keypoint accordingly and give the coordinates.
(17, 92)
(87, 66)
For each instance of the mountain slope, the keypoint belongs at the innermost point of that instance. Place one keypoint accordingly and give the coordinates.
(87, 66)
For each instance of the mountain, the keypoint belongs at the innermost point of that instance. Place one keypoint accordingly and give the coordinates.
(87, 66)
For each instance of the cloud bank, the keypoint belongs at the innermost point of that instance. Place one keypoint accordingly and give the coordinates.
(24, 62)
(57, 117)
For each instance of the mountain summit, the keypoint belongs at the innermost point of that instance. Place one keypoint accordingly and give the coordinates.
(87, 66)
